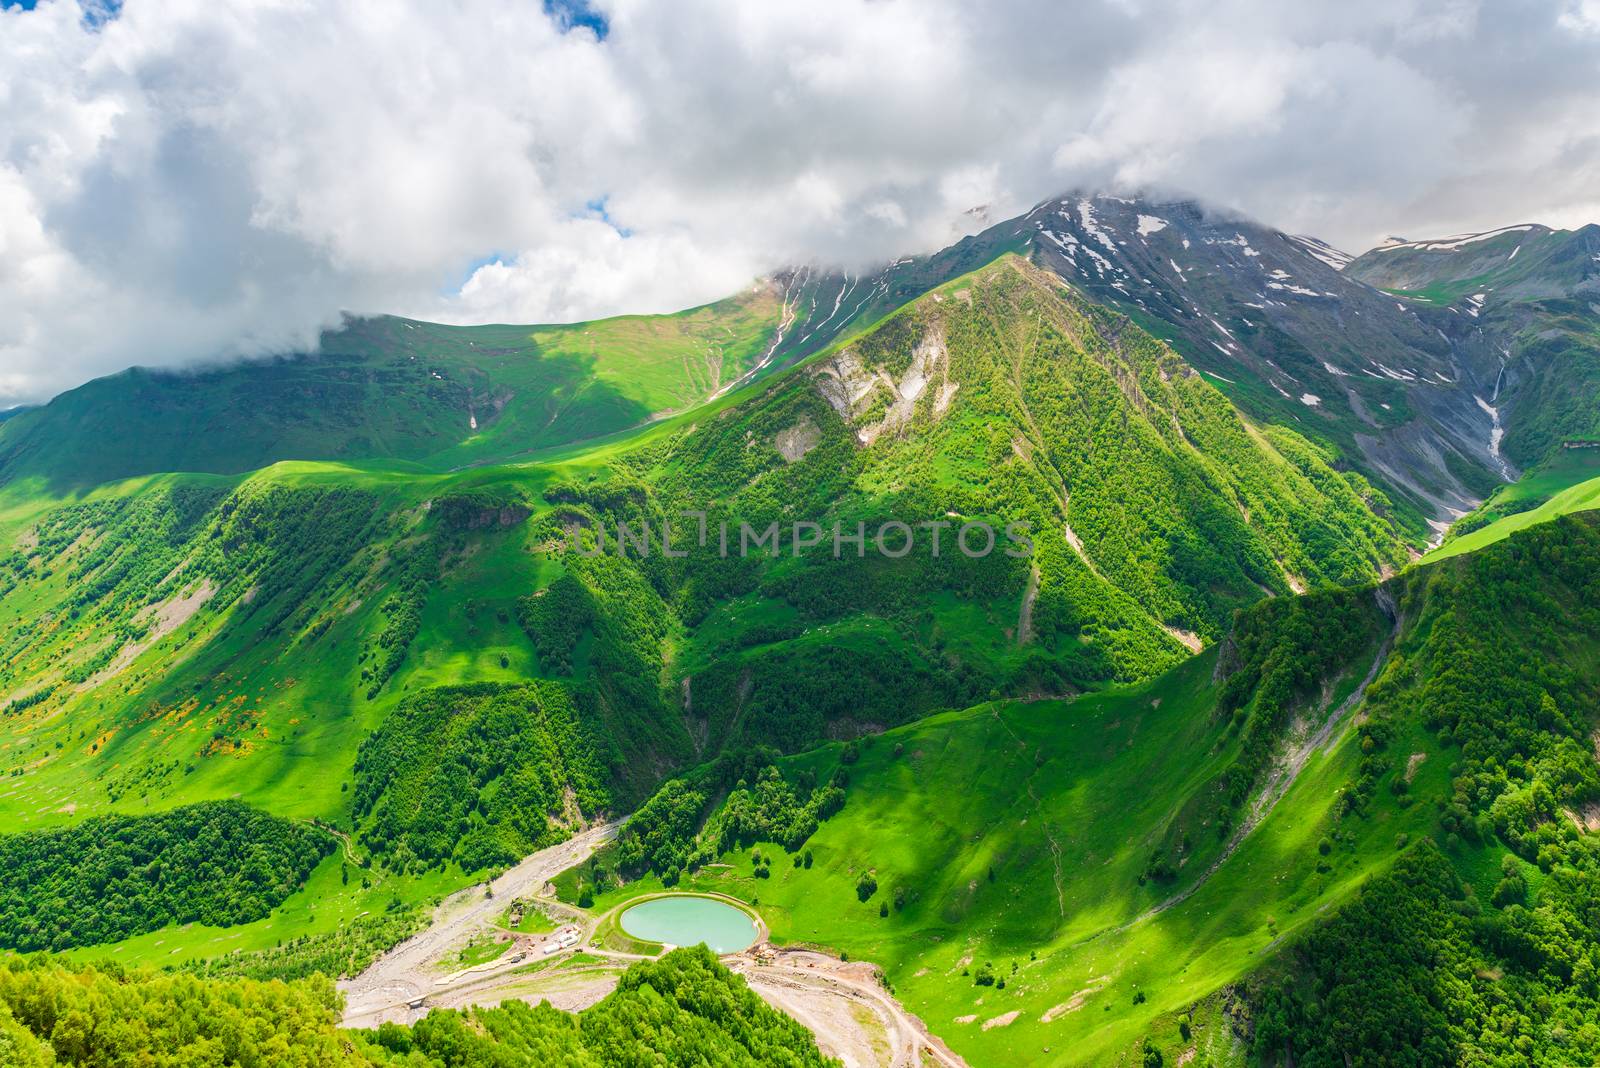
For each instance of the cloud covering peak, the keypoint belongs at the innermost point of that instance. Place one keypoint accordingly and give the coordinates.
(183, 180)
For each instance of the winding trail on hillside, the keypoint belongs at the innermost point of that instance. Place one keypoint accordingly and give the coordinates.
(1283, 775)
(1030, 593)
(344, 839)
(1044, 822)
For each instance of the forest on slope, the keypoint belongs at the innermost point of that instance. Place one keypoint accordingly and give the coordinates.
(110, 877)
(1482, 948)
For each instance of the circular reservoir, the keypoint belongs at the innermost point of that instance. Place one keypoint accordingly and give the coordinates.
(685, 920)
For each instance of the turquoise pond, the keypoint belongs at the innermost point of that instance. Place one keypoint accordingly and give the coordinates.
(682, 920)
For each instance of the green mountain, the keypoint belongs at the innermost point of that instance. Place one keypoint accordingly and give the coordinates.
(1295, 339)
(448, 397)
(1035, 620)
(1527, 262)
(184, 637)
(392, 388)
(1365, 823)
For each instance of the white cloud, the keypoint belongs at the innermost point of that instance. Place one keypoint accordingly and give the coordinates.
(589, 265)
(203, 178)
(1582, 16)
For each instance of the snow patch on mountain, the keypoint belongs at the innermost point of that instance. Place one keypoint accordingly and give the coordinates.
(1323, 251)
(1451, 243)
(1087, 220)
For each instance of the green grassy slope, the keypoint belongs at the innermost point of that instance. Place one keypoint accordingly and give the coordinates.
(200, 638)
(1018, 837)
(1021, 835)
(1569, 483)
(394, 388)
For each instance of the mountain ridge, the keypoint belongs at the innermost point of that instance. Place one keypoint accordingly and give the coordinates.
(1296, 339)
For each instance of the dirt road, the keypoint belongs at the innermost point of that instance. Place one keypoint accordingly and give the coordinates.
(410, 971)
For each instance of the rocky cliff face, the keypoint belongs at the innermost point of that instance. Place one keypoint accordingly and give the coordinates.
(1404, 389)
(1293, 337)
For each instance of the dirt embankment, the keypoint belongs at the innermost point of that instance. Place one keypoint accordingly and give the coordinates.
(163, 619)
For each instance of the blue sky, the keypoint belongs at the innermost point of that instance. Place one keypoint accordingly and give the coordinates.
(572, 13)
(96, 12)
